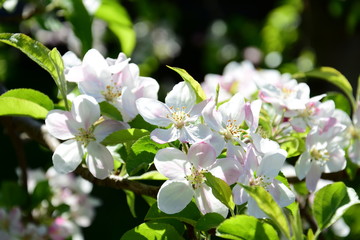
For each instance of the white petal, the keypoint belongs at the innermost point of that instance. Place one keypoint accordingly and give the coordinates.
(233, 109)
(303, 165)
(254, 210)
(107, 127)
(182, 95)
(99, 160)
(202, 155)
(313, 177)
(198, 108)
(240, 195)
(337, 161)
(281, 194)
(212, 117)
(207, 202)
(154, 111)
(61, 125)
(174, 196)
(149, 88)
(271, 163)
(67, 156)
(165, 135)
(85, 110)
(354, 151)
(226, 169)
(172, 163)
(194, 133)
(95, 63)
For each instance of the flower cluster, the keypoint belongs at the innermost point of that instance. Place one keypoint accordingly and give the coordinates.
(239, 133)
(59, 216)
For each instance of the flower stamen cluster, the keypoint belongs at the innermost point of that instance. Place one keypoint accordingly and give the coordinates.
(85, 136)
(178, 116)
(196, 178)
(112, 92)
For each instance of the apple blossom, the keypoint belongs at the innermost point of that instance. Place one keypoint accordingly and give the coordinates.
(83, 131)
(179, 111)
(260, 171)
(186, 179)
(323, 152)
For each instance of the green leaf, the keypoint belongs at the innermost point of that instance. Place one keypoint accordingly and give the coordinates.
(331, 202)
(81, 22)
(335, 77)
(119, 23)
(152, 231)
(246, 227)
(41, 192)
(51, 61)
(295, 221)
(268, 205)
(124, 135)
(110, 111)
(12, 194)
(130, 199)
(145, 144)
(137, 162)
(209, 221)
(151, 175)
(200, 94)
(190, 214)
(220, 189)
(31, 95)
(21, 107)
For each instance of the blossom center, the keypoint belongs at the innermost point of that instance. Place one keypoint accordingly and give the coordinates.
(85, 136)
(178, 116)
(354, 133)
(319, 153)
(111, 92)
(196, 178)
(262, 181)
(233, 130)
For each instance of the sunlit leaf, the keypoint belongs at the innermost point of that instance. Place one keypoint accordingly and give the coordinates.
(31, 95)
(152, 231)
(110, 111)
(130, 199)
(200, 94)
(220, 189)
(151, 175)
(125, 135)
(268, 205)
(209, 221)
(331, 202)
(246, 227)
(341, 102)
(21, 107)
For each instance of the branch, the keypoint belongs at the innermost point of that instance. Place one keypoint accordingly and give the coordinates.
(38, 132)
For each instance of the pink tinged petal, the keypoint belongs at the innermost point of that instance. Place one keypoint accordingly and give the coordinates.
(254, 210)
(251, 160)
(233, 109)
(85, 110)
(337, 161)
(298, 124)
(165, 135)
(61, 124)
(154, 111)
(217, 141)
(194, 133)
(354, 152)
(303, 165)
(198, 108)
(93, 61)
(67, 156)
(226, 169)
(75, 74)
(240, 195)
(107, 127)
(281, 194)
(271, 163)
(182, 95)
(174, 196)
(172, 163)
(150, 87)
(99, 160)
(202, 155)
(252, 112)
(207, 202)
(212, 117)
(313, 176)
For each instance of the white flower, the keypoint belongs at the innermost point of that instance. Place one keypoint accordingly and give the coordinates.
(186, 179)
(83, 134)
(180, 112)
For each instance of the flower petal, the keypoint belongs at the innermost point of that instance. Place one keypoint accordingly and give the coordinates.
(194, 133)
(165, 135)
(85, 110)
(67, 156)
(313, 176)
(271, 163)
(233, 109)
(240, 195)
(303, 165)
(154, 111)
(61, 124)
(172, 163)
(207, 202)
(254, 210)
(226, 169)
(281, 194)
(212, 117)
(99, 160)
(182, 95)
(174, 196)
(107, 127)
(337, 161)
(202, 155)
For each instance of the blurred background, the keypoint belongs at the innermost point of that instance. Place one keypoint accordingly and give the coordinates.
(199, 36)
